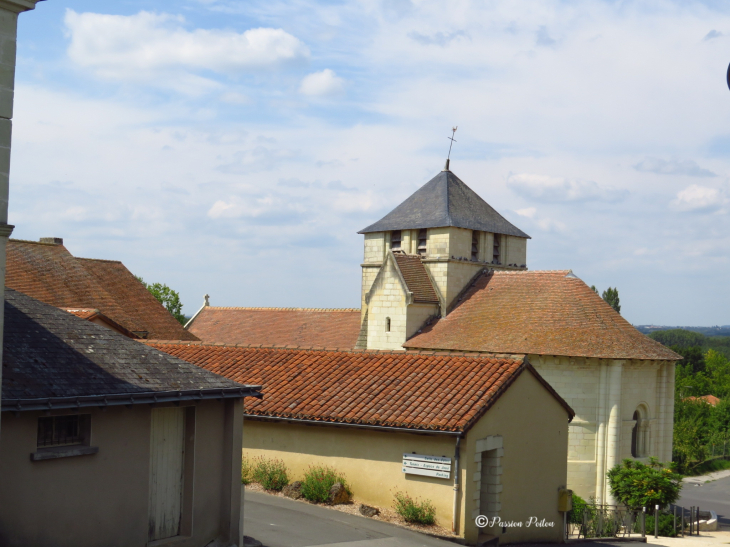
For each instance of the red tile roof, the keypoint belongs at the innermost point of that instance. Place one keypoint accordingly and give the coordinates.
(416, 278)
(709, 399)
(537, 312)
(49, 273)
(298, 327)
(426, 391)
(94, 315)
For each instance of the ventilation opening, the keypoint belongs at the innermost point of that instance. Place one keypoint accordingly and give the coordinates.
(422, 239)
(475, 245)
(387, 324)
(395, 239)
(496, 259)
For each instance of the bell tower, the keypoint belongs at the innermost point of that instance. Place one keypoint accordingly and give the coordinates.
(446, 235)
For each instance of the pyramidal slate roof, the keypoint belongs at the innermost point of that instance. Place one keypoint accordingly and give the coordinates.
(445, 201)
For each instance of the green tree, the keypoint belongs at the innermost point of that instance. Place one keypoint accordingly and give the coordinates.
(593, 288)
(169, 298)
(638, 485)
(679, 337)
(611, 297)
(693, 356)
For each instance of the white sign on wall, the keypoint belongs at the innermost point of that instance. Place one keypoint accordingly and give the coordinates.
(428, 466)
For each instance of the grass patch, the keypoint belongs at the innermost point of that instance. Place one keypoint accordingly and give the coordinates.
(414, 511)
(317, 483)
(247, 467)
(270, 473)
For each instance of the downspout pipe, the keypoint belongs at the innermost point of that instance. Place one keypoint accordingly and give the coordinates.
(454, 527)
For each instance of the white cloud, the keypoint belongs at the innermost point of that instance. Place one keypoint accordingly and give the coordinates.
(699, 198)
(135, 46)
(528, 212)
(559, 189)
(673, 167)
(321, 83)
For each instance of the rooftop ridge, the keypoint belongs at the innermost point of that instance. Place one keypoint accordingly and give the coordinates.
(35, 242)
(445, 353)
(98, 260)
(281, 309)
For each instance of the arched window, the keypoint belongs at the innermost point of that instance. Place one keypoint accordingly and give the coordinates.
(387, 324)
(640, 433)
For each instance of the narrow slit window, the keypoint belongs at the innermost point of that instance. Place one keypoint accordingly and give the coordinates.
(496, 258)
(395, 239)
(387, 324)
(422, 239)
(475, 245)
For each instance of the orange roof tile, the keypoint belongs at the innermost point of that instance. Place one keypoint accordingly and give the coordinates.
(51, 274)
(537, 312)
(709, 399)
(297, 327)
(403, 389)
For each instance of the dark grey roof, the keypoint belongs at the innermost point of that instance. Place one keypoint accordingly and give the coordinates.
(445, 201)
(52, 355)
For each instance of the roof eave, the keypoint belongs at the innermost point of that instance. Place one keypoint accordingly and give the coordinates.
(123, 399)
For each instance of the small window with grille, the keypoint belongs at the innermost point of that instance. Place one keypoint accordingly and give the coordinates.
(63, 430)
(475, 245)
(395, 239)
(496, 258)
(422, 239)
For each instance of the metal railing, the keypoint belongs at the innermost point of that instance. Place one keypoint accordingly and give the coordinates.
(614, 521)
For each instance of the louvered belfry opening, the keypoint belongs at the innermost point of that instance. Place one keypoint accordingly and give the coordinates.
(422, 239)
(475, 245)
(496, 259)
(395, 240)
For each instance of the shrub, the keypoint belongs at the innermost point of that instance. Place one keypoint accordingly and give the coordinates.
(317, 483)
(246, 470)
(637, 485)
(414, 511)
(270, 473)
(666, 524)
(576, 514)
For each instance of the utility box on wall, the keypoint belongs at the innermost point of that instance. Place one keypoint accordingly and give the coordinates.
(565, 500)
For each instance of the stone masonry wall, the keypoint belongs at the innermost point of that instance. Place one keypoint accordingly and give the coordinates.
(388, 300)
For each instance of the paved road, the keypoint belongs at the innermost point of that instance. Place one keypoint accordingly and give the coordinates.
(714, 495)
(281, 522)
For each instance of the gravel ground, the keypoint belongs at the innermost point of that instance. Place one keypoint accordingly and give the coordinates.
(386, 513)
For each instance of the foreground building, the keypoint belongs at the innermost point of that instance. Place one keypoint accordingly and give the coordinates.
(476, 435)
(109, 442)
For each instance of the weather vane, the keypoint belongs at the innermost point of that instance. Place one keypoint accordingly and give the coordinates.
(453, 140)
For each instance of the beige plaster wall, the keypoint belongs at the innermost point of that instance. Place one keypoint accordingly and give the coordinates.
(534, 430)
(102, 499)
(370, 460)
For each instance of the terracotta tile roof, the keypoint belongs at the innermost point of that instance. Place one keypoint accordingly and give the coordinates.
(427, 391)
(331, 328)
(416, 278)
(96, 316)
(49, 273)
(537, 312)
(50, 354)
(709, 399)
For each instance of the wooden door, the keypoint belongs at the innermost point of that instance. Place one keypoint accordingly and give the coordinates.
(166, 472)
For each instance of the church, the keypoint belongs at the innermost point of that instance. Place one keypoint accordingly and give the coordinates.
(445, 272)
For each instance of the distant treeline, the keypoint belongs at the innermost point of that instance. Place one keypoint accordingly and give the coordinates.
(681, 339)
(707, 331)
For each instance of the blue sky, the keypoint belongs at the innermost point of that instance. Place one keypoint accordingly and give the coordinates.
(235, 148)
